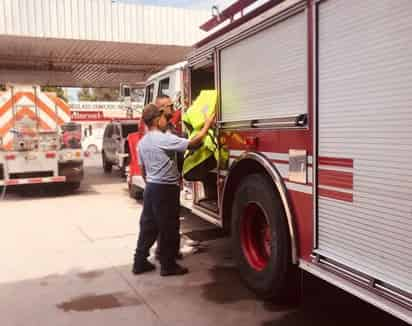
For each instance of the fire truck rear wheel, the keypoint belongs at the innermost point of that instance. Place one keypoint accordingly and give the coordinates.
(260, 238)
(123, 168)
(107, 167)
(135, 192)
(73, 186)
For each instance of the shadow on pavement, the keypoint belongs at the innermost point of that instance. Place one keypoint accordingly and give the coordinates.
(209, 296)
(324, 305)
(223, 298)
(226, 286)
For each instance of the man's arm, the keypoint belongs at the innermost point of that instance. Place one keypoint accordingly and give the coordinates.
(197, 140)
(170, 142)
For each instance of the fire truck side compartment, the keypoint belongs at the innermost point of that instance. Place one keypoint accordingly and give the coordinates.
(364, 114)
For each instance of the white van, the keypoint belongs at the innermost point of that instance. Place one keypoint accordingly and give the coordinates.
(92, 142)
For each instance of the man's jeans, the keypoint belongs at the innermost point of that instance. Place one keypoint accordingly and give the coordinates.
(160, 218)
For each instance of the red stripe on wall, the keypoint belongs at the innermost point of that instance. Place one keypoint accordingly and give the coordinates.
(337, 179)
(335, 195)
(343, 162)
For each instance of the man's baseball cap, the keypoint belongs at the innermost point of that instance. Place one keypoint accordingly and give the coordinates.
(151, 112)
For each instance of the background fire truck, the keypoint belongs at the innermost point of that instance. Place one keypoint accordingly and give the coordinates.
(38, 144)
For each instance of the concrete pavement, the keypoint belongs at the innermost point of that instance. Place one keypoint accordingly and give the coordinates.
(66, 260)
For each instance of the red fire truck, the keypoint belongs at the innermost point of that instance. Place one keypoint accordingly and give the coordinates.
(314, 109)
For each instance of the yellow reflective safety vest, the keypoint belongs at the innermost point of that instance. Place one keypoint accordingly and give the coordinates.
(200, 161)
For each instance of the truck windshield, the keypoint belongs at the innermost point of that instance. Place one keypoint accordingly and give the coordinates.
(127, 129)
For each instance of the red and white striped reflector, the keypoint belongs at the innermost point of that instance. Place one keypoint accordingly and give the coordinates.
(16, 182)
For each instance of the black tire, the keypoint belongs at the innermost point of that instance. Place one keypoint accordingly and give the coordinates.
(123, 168)
(132, 191)
(266, 269)
(2, 192)
(107, 166)
(73, 186)
(135, 192)
(139, 194)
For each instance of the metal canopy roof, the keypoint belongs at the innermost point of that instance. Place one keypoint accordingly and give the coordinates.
(97, 43)
(81, 63)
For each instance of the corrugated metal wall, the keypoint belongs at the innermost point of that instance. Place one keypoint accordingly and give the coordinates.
(101, 20)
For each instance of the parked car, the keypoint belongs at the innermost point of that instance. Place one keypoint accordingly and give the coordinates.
(115, 150)
(93, 144)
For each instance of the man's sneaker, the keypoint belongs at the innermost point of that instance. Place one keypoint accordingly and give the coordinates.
(145, 266)
(175, 270)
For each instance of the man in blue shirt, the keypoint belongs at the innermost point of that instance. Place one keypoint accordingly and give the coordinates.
(160, 216)
(164, 102)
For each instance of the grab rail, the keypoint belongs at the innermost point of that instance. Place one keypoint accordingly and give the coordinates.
(294, 121)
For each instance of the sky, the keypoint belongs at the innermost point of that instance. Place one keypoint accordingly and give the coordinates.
(72, 94)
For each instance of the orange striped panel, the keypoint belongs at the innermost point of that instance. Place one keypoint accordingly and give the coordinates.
(8, 105)
(45, 108)
(60, 103)
(20, 115)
